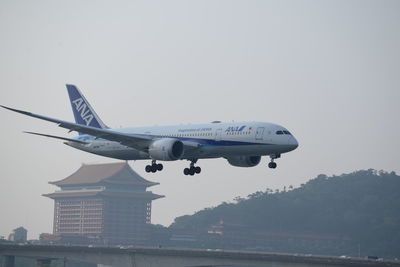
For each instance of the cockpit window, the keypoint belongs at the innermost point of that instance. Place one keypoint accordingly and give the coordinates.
(283, 132)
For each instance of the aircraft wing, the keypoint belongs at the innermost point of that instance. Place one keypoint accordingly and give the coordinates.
(136, 141)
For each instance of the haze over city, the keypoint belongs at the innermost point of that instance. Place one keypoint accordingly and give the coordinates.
(326, 70)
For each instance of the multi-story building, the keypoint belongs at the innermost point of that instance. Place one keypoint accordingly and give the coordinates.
(107, 202)
(18, 235)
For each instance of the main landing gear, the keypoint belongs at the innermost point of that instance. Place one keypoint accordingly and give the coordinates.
(154, 167)
(272, 164)
(192, 170)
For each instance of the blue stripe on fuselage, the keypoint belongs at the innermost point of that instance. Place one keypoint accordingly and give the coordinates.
(203, 142)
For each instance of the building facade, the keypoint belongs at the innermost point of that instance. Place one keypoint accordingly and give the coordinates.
(104, 202)
(19, 235)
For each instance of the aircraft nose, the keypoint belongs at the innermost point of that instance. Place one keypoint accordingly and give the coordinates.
(293, 143)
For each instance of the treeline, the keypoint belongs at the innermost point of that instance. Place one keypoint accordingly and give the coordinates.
(362, 206)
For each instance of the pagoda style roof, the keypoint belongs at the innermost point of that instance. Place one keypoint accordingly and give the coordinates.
(113, 173)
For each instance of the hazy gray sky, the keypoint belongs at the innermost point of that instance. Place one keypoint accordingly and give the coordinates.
(329, 71)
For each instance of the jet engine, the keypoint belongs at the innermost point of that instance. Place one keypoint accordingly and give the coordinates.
(244, 161)
(167, 149)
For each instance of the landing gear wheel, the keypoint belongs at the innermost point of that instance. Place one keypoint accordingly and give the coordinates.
(186, 171)
(159, 167)
(192, 170)
(272, 165)
(154, 167)
(197, 169)
(148, 168)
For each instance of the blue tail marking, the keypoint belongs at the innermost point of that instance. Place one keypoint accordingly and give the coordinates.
(84, 114)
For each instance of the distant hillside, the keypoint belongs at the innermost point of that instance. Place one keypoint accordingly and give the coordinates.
(363, 206)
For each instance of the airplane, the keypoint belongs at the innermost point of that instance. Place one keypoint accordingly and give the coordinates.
(242, 144)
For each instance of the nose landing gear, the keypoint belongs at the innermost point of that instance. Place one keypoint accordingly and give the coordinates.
(154, 167)
(273, 164)
(192, 170)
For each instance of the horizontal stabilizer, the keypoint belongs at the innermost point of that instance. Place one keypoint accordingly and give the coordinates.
(59, 137)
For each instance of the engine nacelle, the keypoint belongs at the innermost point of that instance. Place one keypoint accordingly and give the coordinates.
(244, 161)
(166, 149)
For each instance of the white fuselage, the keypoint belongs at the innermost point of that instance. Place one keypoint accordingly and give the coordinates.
(210, 140)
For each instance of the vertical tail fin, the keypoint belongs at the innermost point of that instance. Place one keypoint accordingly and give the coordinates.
(83, 112)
